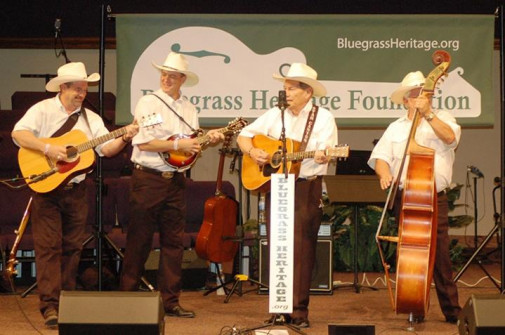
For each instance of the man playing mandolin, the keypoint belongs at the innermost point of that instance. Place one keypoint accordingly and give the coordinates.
(300, 85)
(440, 132)
(59, 216)
(157, 193)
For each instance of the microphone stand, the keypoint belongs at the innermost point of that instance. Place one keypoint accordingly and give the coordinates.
(479, 248)
(63, 51)
(282, 106)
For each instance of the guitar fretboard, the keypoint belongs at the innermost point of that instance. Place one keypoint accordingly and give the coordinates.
(100, 139)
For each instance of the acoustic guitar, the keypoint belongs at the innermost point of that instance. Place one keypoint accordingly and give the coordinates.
(181, 161)
(255, 177)
(44, 174)
(215, 238)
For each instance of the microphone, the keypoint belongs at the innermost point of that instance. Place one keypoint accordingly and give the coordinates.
(57, 26)
(497, 181)
(283, 103)
(475, 171)
(43, 175)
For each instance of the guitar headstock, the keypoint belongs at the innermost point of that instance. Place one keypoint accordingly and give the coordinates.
(150, 120)
(339, 151)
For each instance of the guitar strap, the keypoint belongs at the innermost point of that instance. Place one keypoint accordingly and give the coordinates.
(180, 117)
(308, 127)
(69, 124)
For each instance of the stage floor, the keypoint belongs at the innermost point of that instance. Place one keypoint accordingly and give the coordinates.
(20, 316)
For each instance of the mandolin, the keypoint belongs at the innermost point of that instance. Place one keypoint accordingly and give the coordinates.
(181, 161)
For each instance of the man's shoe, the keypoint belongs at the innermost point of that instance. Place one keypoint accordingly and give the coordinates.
(179, 312)
(51, 317)
(453, 319)
(301, 322)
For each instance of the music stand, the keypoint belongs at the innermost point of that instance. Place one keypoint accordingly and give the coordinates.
(354, 190)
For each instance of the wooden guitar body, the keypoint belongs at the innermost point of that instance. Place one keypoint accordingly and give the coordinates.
(32, 162)
(218, 228)
(216, 239)
(255, 177)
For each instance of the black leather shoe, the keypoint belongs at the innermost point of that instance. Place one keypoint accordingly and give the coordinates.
(453, 319)
(180, 312)
(301, 322)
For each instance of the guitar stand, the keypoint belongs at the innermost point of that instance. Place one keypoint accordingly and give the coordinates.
(222, 284)
(237, 286)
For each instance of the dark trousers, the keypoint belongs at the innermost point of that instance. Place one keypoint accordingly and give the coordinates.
(155, 203)
(308, 215)
(447, 291)
(58, 226)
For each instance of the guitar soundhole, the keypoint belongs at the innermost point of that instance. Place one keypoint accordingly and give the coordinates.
(71, 152)
(276, 159)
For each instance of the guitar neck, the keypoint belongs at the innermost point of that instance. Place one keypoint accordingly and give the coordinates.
(296, 156)
(101, 139)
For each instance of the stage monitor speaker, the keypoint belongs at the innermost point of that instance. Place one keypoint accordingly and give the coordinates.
(322, 274)
(350, 330)
(110, 313)
(483, 315)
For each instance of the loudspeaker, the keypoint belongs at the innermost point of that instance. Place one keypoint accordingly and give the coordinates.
(322, 274)
(350, 330)
(483, 315)
(110, 313)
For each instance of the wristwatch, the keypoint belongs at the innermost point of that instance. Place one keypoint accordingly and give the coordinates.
(429, 117)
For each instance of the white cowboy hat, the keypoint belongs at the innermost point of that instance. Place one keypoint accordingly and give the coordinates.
(178, 63)
(305, 74)
(411, 81)
(70, 72)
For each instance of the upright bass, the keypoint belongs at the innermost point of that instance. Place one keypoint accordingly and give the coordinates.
(417, 221)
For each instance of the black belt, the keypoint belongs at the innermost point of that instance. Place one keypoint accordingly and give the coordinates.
(163, 174)
(308, 178)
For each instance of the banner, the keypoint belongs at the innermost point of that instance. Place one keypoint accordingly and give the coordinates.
(281, 243)
(360, 59)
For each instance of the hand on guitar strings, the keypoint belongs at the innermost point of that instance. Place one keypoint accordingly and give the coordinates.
(55, 152)
(259, 156)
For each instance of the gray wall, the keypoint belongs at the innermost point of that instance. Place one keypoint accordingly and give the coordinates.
(478, 147)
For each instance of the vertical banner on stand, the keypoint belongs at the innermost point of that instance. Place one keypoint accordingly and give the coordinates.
(281, 243)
